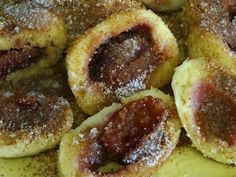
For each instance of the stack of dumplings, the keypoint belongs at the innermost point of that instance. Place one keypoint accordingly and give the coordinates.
(115, 82)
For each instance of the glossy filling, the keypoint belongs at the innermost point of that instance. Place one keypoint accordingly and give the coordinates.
(131, 134)
(215, 108)
(124, 58)
(16, 59)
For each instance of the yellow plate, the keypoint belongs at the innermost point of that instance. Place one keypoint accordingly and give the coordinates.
(184, 162)
(188, 162)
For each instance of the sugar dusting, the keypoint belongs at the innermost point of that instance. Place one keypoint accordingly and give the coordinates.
(83, 14)
(223, 80)
(136, 84)
(27, 121)
(34, 107)
(214, 104)
(27, 15)
(234, 23)
(215, 16)
(123, 63)
(152, 147)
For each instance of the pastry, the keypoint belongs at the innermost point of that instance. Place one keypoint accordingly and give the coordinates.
(210, 29)
(35, 113)
(129, 51)
(30, 37)
(137, 135)
(51, 81)
(205, 92)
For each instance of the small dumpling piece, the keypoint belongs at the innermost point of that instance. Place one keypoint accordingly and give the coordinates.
(205, 96)
(136, 137)
(30, 37)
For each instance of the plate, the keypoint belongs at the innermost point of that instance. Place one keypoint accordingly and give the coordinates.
(185, 161)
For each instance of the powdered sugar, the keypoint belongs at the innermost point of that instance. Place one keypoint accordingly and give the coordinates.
(153, 147)
(26, 15)
(134, 85)
(81, 15)
(216, 16)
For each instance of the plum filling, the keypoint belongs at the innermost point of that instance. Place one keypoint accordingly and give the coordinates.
(16, 59)
(127, 126)
(124, 57)
(126, 137)
(215, 109)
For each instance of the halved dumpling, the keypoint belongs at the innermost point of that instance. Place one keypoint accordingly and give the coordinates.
(128, 52)
(135, 137)
(30, 37)
(205, 96)
(52, 81)
(164, 5)
(35, 113)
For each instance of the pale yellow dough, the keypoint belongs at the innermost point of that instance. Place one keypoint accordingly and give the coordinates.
(185, 78)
